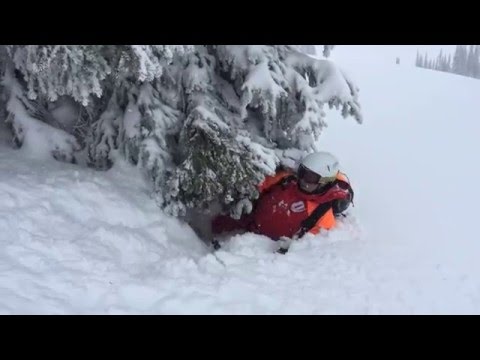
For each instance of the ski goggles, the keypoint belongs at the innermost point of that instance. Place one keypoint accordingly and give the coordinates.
(308, 176)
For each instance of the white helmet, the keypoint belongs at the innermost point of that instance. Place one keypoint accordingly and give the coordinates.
(321, 163)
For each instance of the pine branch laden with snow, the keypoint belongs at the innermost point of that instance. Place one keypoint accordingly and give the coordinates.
(149, 131)
(149, 60)
(307, 49)
(57, 70)
(102, 138)
(287, 90)
(80, 70)
(37, 137)
(322, 82)
(215, 165)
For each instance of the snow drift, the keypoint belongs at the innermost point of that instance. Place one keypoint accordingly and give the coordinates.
(76, 241)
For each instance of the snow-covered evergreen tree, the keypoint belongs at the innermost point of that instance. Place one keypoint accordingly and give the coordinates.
(460, 60)
(466, 61)
(444, 65)
(439, 63)
(418, 60)
(242, 103)
(426, 63)
(75, 89)
(207, 123)
(470, 61)
(475, 61)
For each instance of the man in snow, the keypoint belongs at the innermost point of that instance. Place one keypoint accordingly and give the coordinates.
(290, 205)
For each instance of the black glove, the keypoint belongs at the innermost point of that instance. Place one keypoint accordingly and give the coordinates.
(339, 206)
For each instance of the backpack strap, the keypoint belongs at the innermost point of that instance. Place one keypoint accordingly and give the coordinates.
(310, 222)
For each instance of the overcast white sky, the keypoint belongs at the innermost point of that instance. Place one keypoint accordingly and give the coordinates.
(406, 53)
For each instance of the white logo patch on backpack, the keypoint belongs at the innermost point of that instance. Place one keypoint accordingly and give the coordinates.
(297, 207)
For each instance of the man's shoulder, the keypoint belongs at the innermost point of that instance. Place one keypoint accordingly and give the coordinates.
(274, 179)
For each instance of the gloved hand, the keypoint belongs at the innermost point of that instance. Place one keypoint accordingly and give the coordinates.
(284, 244)
(336, 193)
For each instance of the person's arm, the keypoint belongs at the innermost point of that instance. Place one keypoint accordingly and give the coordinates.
(272, 180)
(340, 205)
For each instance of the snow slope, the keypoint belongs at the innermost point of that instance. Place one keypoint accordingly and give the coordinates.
(76, 241)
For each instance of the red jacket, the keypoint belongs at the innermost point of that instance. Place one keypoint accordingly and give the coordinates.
(282, 207)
